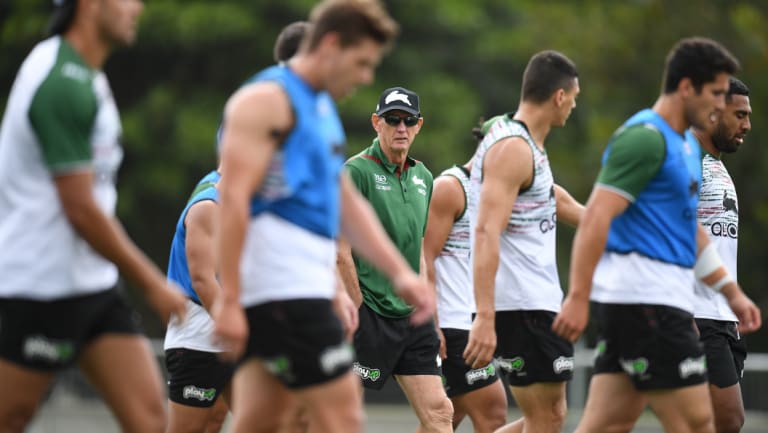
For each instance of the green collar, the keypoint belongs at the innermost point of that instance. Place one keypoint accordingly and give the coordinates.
(381, 158)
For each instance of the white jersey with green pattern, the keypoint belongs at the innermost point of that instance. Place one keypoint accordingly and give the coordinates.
(60, 119)
(718, 212)
(455, 297)
(527, 277)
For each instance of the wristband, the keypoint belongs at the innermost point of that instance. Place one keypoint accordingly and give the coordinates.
(707, 262)
(727, 278)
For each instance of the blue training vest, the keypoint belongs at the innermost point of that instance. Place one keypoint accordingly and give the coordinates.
(178, 268)
(302, 184)
(661, 223)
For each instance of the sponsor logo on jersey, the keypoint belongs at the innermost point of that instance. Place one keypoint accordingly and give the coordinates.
(380, 178)
(202, 394)
(480, 374)
(563, 363)
(418, 181)
(366, 373)
(548, 224)
(40, 347)
(690, 366)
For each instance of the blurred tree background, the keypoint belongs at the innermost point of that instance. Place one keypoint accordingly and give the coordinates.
(464, 58)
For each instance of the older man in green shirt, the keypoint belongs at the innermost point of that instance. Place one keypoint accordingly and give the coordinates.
(399, 189)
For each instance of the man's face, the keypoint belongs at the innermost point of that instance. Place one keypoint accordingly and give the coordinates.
(732, 124)
(568, 103)
(118, 20)
(395, 137)
(700, 106)
(352, 66)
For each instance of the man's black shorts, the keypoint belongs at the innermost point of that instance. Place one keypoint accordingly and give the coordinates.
(388, 346)
(527, 349)
(725, 351)
(655, 345)
(458, 377)
(49, 335)
(196, 378)
(300, 341)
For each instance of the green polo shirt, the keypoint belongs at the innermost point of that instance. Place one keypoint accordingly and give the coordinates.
(401, 201)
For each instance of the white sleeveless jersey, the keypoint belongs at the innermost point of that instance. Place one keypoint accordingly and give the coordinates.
(60, 118)
(718, 212)
(527, 277)
(455, 297)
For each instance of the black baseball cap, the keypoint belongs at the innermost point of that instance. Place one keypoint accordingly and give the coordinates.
(398, 98)
(62, 16)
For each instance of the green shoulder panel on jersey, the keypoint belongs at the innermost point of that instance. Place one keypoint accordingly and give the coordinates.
(635, 156)
(401, 201)
(63, 112)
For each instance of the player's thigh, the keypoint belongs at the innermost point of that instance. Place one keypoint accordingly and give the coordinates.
(426, 395)
(485, 406)
(259, 400)
(191, 419)
(23, 388)
(613, 404)
(686, 409)
(121, 365)
(540, 398)
(335, 405)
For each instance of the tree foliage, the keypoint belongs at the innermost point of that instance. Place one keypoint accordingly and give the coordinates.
(464, 58)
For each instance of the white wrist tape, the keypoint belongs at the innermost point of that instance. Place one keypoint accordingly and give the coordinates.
(727, 278)
(707, 262)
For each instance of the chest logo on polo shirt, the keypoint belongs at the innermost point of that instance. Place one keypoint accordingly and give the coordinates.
(381, 182)
(418, 181)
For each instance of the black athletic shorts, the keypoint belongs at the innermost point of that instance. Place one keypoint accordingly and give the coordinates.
(656, 345)
(528, 351)
(458, 377)
(196, 378)
(388, 346)
(300, 341)
(50, 335)
(725, 351)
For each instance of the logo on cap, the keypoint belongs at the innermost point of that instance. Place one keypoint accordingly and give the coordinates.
(397, 96)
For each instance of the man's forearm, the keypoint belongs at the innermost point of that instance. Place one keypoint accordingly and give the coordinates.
(485, 264)
(346, 268)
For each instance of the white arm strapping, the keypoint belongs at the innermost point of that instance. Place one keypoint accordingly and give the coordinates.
(707, 262)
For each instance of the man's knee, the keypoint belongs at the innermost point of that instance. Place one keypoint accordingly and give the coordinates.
(18, 419)
(150, 419)
(438, 413)
(491, 418)
(729, 422)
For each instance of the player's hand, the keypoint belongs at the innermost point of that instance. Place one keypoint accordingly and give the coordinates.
(443, 350)
(572, 319)
(230, 328)
(167, 299)
(746, 310)
(482, 342)
(347, 312)
(418, 294)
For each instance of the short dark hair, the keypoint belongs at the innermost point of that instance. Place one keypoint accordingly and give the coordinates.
(698, 59)
(547, 72)
(353, 20)
(289, 40)
(62, 17)
(736, 87)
